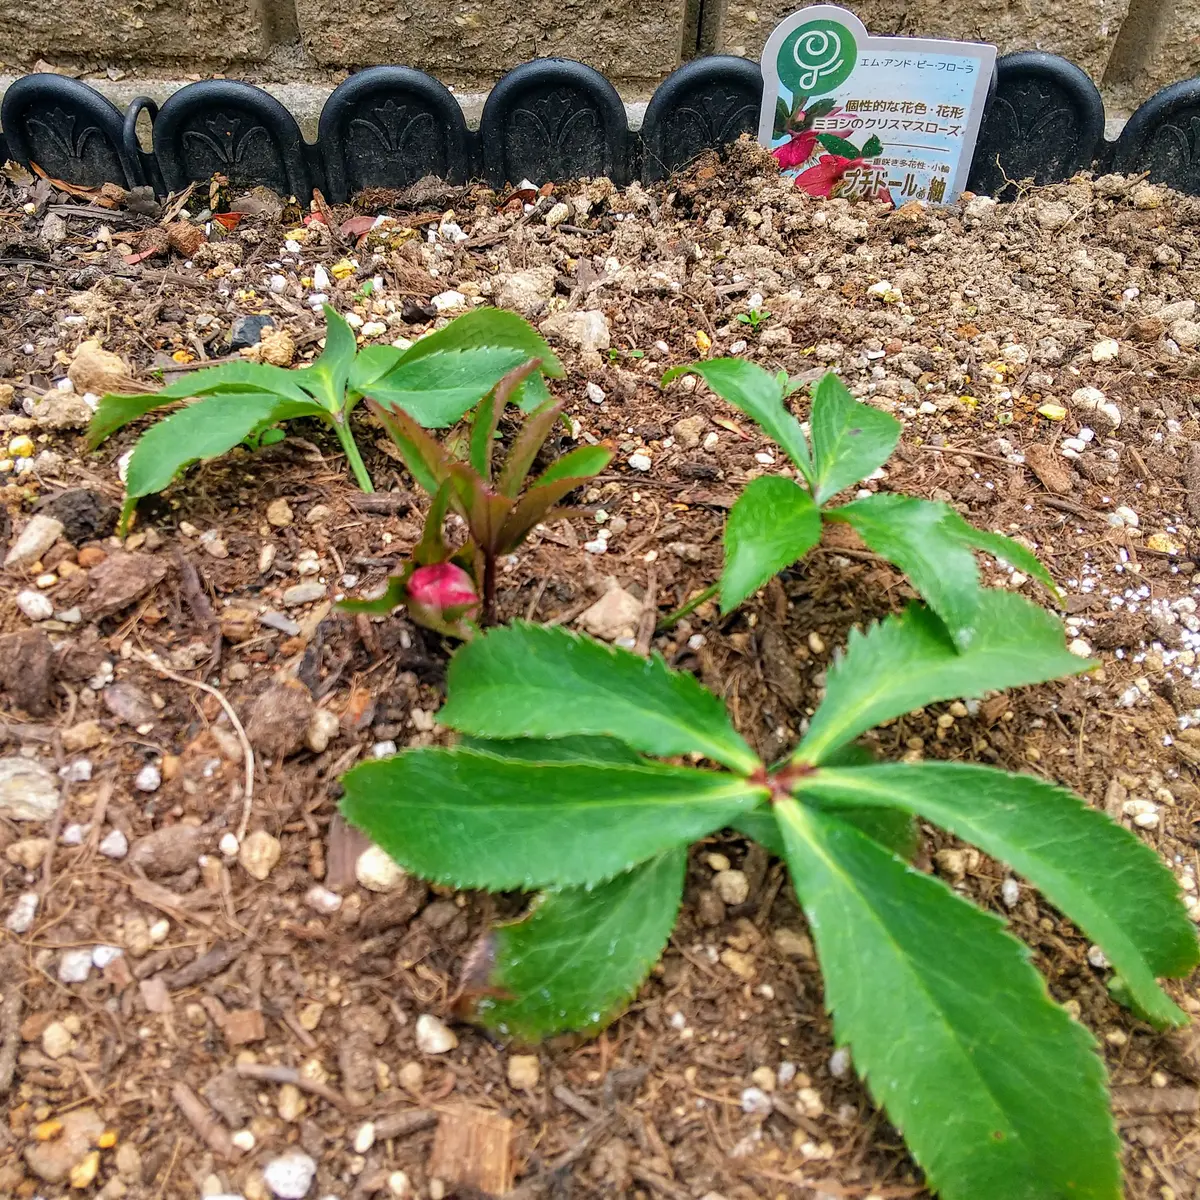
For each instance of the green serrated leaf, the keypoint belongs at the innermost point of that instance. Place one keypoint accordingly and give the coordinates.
(759, 395)
(999, 546)
(494, 327)
(205, 429)
(872, 148)
(237, 376)
(909, 661)
(836, 145)
(850, 439)
(473, 819)
(113, 412)
(437, 389)
(912, 534)
(1113, 886)
(820, 108)
(773, 523)
(371, 364)
(997, 1092)
(581, 954)
(581, 463)
(532, 681)
(896, 831)
(544, 750)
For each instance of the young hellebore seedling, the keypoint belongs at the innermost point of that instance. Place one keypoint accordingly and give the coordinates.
(442, 587)
(436, 380)
(776, 520)
(568, 780)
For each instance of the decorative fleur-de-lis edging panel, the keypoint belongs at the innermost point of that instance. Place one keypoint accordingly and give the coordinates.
(554, 119)
(69, 130)
(389, 127)
(1045, 122)
(229, 127)
(546, 120)
(1163, 138)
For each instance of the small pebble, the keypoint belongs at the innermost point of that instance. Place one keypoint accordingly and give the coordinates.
(20, 918)
(434, 1036)
(148, 779)
(277, 284)
(595, 393)
(258, 853)
(103, 955)
(377, 871)
(1010, 892)
(839, 1062)
(74, 966)
(228, 845)
(399, 1185)
(290, 1176)
(321, 899)
(756, 1102)
(524, 1071)
(35, 605)
(244, 1140)
(383, 749)
(57, 1040)
(1097, 958)
(364, 1137)
(640, 462)
(732, 886)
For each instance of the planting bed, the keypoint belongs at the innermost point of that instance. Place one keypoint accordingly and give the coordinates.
(269, 993)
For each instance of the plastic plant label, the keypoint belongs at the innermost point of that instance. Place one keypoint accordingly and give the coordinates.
(892, 119)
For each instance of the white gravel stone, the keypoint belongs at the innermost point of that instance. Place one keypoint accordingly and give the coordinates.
(277, 284)
(595, 393)
(322, 729)
(839, 1062)
(290, 1175)
(114, 844)
(103, 955)
(1010, 892)
(35, 605)
(148, 779)
(444, 301)
(321, 899)
(640, 462)
(1105, 350)
(364, 1137)
(75, 966)
(756, 1102)
(20, 918)
(39, 534)
(377, 871)
(320, 278)
(434, 1036)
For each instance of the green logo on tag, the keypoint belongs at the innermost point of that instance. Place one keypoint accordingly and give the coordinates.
(816, 57)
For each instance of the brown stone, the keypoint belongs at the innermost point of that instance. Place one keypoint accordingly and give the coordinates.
(279, 719)
(245, 1025)
(27, 670)
(1053, 471)
(52, 1160)
(120, 580)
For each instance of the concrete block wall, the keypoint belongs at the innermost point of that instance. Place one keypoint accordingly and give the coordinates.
(1130, 47)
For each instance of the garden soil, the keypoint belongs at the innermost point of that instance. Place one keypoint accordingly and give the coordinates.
(265, 1003)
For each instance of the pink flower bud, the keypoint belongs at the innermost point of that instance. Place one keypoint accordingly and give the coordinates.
(441, 587)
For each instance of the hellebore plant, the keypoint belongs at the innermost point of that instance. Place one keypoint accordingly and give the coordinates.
(436, 380)
(500, 507)
(568, 781)
(776, 521)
